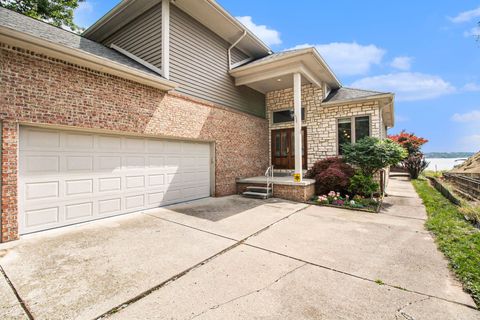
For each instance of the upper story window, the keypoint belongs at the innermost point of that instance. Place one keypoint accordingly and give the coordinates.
(351, 130)
(285, 116)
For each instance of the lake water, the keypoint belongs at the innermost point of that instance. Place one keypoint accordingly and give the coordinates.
(438, 164)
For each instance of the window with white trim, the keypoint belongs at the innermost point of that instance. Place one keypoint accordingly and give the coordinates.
(351, 130)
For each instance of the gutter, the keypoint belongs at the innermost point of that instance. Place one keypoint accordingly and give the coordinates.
(75, 56)
(229, 51)
(234, 21)
(378, 96)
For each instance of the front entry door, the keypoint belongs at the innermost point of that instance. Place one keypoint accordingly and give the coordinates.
(283, 148)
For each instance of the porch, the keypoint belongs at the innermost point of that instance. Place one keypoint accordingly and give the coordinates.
(284, 187)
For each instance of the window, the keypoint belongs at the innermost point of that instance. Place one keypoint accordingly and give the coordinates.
(285, 116)
(351, 130)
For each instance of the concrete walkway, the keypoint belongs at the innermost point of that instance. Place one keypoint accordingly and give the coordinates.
(233, 258)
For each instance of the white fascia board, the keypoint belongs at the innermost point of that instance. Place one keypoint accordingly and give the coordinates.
(362, 99)
(54, 50)
(275, 72)
(265, 74)
(303, 57)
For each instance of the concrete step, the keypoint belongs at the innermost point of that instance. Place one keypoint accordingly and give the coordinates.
(258, 189)
(257, 195)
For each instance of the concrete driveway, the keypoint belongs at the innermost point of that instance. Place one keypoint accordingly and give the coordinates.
(236, 258)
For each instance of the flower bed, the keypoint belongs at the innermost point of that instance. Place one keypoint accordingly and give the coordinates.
(335, 199)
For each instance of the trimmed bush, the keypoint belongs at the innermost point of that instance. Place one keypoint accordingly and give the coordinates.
(363, 185)
(331, 174)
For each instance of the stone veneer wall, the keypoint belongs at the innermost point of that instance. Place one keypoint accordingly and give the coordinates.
(40, 90)
(321, 120)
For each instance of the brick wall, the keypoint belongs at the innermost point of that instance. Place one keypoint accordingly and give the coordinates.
(321, 120)
(40, 90)
(298, 193)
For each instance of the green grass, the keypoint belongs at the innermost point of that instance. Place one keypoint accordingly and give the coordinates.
(458, 239)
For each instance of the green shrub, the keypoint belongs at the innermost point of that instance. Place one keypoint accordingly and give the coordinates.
(372, 154)
(330, 174)
(363, 185)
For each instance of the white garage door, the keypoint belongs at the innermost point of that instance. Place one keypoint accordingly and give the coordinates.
(68, 177)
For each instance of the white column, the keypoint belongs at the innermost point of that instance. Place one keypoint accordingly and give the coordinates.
(297, 108)
(166, 39)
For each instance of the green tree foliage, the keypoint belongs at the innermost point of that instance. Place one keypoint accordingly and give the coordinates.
(372, 154)
(56, 12)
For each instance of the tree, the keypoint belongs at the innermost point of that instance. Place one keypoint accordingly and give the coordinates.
(409, 141)
(415, 164)
(372, 154)
(56, 12)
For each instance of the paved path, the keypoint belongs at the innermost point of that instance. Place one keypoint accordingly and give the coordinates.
(245, 260)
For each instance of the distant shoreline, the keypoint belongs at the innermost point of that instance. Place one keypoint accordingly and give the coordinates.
(448, 155)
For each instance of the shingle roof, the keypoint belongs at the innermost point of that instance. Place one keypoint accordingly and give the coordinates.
(274, 56)
(343, 94)
(45, 31)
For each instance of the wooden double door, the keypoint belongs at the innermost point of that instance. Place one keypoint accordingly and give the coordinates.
(283, 148)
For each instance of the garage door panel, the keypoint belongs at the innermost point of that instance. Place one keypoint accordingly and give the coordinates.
(78, 187)
(109, 143)
(110, 184)
(110, 206)
(155, 180)
(155, 146)
(42, 217)
(79, 163)
(133, 182)
(41, 164)
(41, 190)
(77, 141)
(40, 139)
(78, 210)
(84, 176)
(109, 163)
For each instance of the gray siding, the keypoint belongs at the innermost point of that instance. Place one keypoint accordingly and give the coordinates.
(142, 37)
(199, 63)
(238, 55)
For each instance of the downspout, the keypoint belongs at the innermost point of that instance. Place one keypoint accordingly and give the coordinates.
(231, 47)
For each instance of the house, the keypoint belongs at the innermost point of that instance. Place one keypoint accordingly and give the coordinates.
(157, 103)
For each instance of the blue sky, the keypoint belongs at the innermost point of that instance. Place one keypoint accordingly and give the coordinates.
(424, 51)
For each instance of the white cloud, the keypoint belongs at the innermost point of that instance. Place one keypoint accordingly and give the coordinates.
(402, 63)
(466, 16)
(467, 117)
(473, 32)
(269, 36)
(471, 86)
(85, 6)
(348, 58)
(408, 86)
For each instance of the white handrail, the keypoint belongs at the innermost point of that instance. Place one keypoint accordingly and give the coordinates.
(269, 176)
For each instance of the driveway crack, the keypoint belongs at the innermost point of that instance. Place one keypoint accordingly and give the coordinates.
(17, 295)
(400, 314)
(188, 270)
(249, 293)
